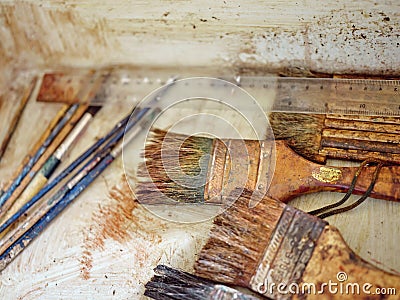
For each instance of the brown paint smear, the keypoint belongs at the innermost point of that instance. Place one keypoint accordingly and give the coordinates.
(115, 221)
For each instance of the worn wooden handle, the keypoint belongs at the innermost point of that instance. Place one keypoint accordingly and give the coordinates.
(338, 273)
(295, 176)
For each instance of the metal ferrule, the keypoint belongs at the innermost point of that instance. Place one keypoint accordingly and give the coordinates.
(222, 292)
(236, 164)
(288, 253)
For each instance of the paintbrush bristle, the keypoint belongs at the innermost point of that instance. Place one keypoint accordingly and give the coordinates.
(169, 283)
(301, 131)
(238, 239)
(175, 167)
(93, 109)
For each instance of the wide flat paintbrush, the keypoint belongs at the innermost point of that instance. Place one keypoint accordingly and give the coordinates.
(284, 253)
(169, 283)
(351, 137)
(199, 169)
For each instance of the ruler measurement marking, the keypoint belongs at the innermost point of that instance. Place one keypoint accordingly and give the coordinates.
(316, 95)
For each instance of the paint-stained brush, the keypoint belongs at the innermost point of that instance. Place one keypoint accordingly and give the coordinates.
(283, 253)
(169, 283)
(50, 134)
(351, 137)
(50, 210)
(96, 149)
(99, 155)
(47, 164)
(181, 168)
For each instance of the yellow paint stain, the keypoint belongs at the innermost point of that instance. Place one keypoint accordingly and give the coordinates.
(327, 174)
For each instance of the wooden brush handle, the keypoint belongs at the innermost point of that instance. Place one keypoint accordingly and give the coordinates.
(295, 176)
(333, 261)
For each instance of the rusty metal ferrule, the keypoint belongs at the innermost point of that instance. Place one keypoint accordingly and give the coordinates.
(286, 257)
(238, 164)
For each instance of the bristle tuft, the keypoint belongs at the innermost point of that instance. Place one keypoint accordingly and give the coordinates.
(170, 283)
(238, 240)
(161, 180)
(301, 131)
(93, 109)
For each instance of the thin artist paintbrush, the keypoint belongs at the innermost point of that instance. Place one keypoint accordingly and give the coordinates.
(179, 168)
(283, 253)
(112, 137)
(350, 137)
(49, 161)
(43, 208)
(93, 150)
(55, 208)
(51, 138)
(169, 283)
(17, 116)
(37, 147)
(61, 119)
(41, 177)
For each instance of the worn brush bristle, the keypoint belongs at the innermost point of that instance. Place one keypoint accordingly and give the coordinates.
(238, 239)
(169, 283)
(93, 109)
(301, 131)
(175, 168)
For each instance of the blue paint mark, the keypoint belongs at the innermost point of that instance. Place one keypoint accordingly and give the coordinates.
(69, 196)
(7, 194)
(40, 225)
(94, 149)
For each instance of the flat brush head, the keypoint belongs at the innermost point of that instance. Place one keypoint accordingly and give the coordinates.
(175, 167)
(169, 283)
(238, 239)
(301, 131)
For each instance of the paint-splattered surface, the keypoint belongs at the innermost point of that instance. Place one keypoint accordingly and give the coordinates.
(340, 36)
(104, 246)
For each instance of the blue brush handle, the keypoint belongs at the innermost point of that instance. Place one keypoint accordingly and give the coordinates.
(135, 118)
(17, 181)
(19, 245)
(100, 153)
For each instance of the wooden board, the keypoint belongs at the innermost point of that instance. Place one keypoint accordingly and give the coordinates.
(105, 245)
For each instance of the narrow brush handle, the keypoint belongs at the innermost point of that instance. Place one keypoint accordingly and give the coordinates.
(10, 197)
(78, 184)
(295, 176)
(92, 150)
(42, 170)
(19, 245)
(36, 155)
(37, 146)
(334, 262)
